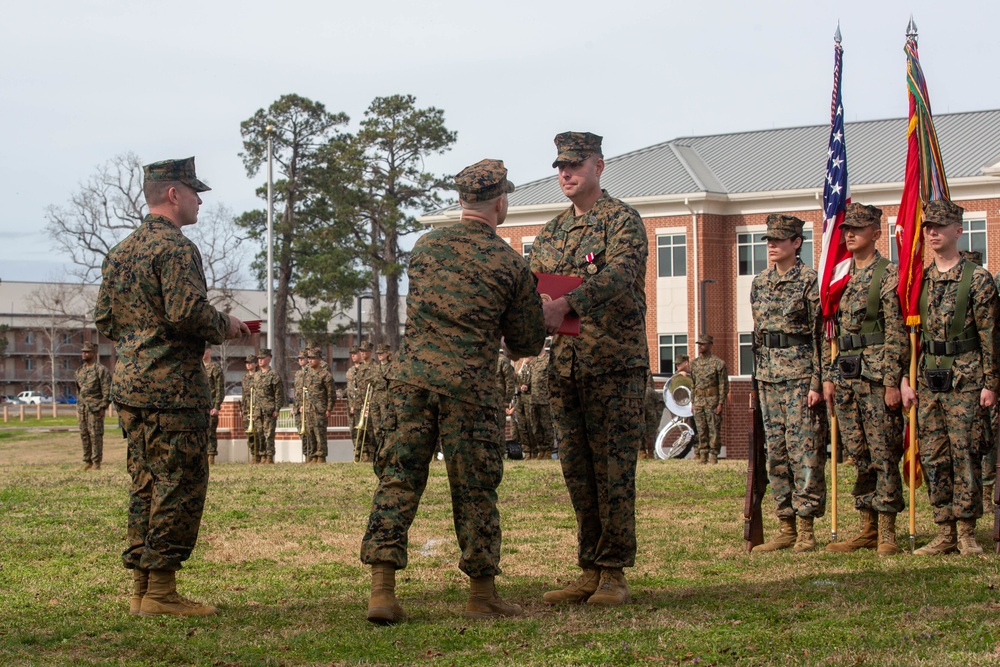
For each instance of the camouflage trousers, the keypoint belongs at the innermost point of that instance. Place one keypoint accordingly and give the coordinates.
(708, 427)
(654, 414)
(796, 454)
(599, 424)
(525, 434)
(213, 435)
(168, 464)
(990, 448)
(264, 425)
(872, 435)
(315, 433)
(416, 418)
(950, 452)
(541, 429)
(91, 434)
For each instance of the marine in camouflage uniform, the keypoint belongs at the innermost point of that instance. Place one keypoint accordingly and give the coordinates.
(379, 380)
(597, 380)
(153, 304)
(467, 289)
(654, 413)
(788, 342)
(246, 398)
(875, 351)
(93, 395)
(711, 389)
(522, 411)
(947, 419)
(217, 389)
(505, 393)
(308, 446)
(318, 401)
(990, 457)
(539, 405)
(268, 401)
(353, 405)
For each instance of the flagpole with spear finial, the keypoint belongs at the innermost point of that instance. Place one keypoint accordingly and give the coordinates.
(911, 36)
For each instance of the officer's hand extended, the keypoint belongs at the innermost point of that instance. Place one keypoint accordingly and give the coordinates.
(814, 398)
(892, 398)
(987, 398)
(555, 312)
(237, 329)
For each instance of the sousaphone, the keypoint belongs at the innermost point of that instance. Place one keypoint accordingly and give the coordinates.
(678, 394)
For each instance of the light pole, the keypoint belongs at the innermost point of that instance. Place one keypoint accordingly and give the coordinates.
(360, 299)
(270, 240)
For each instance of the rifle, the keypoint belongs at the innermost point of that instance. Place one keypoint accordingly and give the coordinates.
(753, 520)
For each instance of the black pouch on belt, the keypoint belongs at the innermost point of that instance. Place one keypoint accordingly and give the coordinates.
(939, 379)
(850, 365)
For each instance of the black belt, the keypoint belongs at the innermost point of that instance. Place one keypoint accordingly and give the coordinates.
(858, 341)
(784, 340)
(949, 348)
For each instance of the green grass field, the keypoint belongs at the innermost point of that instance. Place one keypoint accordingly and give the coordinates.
(278, 553)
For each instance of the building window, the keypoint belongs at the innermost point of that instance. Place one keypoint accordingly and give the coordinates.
(807, 248)
(973, 237)
(29, 338)
(526, 249)
(746, 354)
(29, 364)
(67, 364)
(751, 252)
(672, 346)
(671, 255)
(67, 338)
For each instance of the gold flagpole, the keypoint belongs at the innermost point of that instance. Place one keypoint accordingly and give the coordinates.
(833, 450)
(913, 440)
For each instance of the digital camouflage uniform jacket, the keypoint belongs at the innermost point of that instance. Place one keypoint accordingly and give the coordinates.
(93, 387)
(216, 384)
(297, 384)
(539, 390)
(270, 392)
(788, 304)
(611, 303)
(711, 381)
(153, 304)
(319, 394)
(882, 364)
(975, 369)
(378, 378)
(505, 381)
(467, 288)
(247, 383)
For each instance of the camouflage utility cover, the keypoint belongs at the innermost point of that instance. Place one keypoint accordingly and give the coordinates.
(576, 147)
(153, 304)
(175, 170)
(783, 227)
(483, 181)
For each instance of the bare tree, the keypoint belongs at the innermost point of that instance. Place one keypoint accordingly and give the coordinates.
(110, 205)
(59, 312)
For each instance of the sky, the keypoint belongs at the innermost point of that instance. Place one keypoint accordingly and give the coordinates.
(85, 80)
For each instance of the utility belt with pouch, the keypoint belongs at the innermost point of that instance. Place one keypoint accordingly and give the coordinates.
(939, 355)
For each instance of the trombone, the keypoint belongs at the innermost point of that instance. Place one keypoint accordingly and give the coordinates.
(363, 421)
(250, 430)
(302, 411)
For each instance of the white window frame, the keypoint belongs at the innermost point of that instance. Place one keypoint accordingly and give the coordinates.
(745, 344)
(674, 345)
(670, 243)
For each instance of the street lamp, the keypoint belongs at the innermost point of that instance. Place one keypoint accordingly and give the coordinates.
(270, 240)
(360, 299)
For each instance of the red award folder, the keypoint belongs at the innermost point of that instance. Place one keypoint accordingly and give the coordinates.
(551, 287)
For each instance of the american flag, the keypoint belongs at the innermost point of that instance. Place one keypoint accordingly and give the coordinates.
(835, 260)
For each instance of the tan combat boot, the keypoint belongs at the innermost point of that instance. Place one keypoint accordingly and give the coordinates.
(612, 591)
(887, 534)
(988, 497)
(866, 539)
(702, 458)
(97, 465)
(383, 608)
(162, 599)
(485, 603)
(87, 466)
(967, 545)
(211, 459)
(140, 582)
(270, 459)
(806, 541)
(642, 454)
(945, 543)
(785, 538)
(713, 458)
(578, 591)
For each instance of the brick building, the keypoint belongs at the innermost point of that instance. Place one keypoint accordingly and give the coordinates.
(704, 201)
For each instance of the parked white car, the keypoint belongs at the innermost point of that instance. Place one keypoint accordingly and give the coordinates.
(33, 398)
